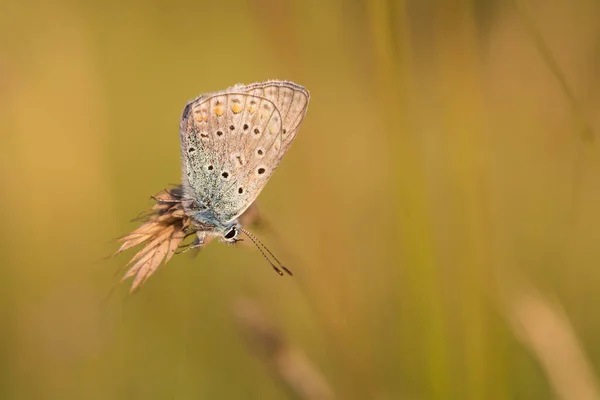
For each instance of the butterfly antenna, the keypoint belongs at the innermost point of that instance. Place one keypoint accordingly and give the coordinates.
(264, 255)
(272, 255)
(257, 242)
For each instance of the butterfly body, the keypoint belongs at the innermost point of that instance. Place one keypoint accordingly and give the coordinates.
(231, 143)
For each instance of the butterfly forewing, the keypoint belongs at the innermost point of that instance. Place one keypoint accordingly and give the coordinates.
(291, 101)
(232, 142)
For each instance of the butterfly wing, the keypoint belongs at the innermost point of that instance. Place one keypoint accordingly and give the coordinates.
(292, 102)
(232, 141)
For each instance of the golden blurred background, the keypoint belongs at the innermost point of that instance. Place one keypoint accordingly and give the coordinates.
(439, 207)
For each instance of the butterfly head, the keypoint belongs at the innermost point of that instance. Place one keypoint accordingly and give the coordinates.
(205, 220)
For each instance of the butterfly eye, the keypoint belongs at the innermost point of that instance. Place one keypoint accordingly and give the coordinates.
(231, 234)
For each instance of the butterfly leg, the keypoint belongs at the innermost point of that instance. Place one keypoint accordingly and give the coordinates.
(196, 244)
(166, 201)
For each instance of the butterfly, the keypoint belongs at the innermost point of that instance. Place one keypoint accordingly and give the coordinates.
(231, 143)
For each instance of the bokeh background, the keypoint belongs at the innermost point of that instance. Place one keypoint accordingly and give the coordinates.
(439, 207)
